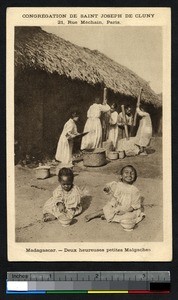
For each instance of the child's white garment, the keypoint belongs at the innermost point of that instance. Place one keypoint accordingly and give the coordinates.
(70, 200)
(124, 196)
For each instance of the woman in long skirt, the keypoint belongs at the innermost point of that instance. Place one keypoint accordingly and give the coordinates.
(144, 132)
(65, 144)
(113, 126)
(93, 125)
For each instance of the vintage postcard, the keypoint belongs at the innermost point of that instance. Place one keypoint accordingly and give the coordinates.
(89, 134)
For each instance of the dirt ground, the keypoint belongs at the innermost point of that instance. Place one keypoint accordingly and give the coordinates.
(31, 195)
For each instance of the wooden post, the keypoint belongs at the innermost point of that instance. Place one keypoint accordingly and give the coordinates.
(138, 103)
(125, 122)
(105, 96)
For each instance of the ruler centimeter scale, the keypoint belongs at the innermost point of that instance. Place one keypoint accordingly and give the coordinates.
(88, 282)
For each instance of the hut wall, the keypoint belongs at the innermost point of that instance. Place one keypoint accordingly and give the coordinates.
(28, 116)
(44, 102)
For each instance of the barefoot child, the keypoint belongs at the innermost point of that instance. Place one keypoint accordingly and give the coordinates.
(125, 203)
(65, 203)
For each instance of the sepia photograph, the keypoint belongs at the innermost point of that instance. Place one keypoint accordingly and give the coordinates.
(89, 116)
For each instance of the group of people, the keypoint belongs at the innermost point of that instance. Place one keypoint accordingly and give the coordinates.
(125, 201)
(115, 130)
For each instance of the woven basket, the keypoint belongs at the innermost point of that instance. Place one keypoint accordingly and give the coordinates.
(94, 157)
(42, 172)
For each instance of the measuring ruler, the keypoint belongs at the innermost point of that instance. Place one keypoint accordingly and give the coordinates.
(87, 282)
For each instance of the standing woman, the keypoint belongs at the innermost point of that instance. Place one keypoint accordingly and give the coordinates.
(65, 144)
(93, 125)
(144, 132)
(113, 125)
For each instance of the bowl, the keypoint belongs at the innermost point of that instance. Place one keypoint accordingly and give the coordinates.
(113, 155)
(128, 225)
(121, 154)
(65, 221)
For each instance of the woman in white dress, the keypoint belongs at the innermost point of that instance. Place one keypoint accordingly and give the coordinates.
(93, 125)
(144, 132)
(113, 126)
(65, 143)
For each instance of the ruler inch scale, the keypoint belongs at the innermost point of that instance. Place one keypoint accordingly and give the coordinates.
(90, 276)
(89, 282)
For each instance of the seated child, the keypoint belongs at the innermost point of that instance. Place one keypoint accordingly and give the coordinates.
(65, 203)
(125, 202)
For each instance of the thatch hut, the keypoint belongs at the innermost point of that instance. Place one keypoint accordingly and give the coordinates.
(54, 76)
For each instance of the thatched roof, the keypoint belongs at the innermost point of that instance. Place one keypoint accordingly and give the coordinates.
(37, 49)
